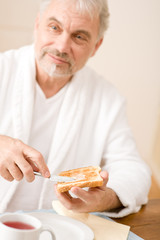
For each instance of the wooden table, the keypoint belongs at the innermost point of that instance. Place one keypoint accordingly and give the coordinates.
(145, 223)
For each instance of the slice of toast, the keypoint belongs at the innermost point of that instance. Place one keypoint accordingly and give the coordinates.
(84, 177)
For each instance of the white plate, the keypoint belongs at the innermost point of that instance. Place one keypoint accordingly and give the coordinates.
(64, 228)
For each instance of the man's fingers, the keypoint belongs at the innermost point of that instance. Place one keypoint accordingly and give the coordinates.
(74, 204)
(18, 159)
(80, 193)
(7, 176)
(25, 168)
(15, 172)
(32, 155)
(64, 198)
(104, 175)
(11, 171)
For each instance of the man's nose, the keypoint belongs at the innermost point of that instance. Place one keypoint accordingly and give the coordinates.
(63, 43)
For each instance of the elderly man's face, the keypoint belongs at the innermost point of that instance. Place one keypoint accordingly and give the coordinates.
(64, 39)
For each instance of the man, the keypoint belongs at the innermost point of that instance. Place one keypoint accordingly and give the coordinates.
(57, 115)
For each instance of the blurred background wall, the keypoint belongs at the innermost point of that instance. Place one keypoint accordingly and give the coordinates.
(129, 58)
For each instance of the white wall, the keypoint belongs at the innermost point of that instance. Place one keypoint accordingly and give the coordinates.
(16, 22)
(129, 58)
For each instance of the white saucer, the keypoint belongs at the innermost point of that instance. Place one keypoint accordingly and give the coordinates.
(64, 228)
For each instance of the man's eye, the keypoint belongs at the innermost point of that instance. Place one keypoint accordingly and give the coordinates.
(54, 27)
(79, 37)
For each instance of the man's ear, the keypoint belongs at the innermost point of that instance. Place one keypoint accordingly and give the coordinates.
(98, 44)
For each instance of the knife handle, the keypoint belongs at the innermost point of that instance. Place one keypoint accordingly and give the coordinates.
(37, 173)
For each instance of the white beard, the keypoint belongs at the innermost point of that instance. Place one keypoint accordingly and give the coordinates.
(51, 70)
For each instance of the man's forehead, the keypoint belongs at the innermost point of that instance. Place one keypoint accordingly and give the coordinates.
(71, 7)
(65, 13)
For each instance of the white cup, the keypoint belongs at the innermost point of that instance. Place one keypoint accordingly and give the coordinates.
(10, 232)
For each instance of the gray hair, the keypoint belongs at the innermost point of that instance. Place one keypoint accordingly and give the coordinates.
(90, 6)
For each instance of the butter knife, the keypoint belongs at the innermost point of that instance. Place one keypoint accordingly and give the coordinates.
(55, 178)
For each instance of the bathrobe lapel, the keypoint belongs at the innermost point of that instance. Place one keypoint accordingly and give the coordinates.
(22, 109)
(23, 97)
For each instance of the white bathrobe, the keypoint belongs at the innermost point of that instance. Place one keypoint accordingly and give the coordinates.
(91, 129)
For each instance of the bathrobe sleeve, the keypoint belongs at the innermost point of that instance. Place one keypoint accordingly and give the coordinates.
(129, 175)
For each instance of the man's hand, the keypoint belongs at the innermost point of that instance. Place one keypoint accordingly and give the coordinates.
(96, 199)
(18, 159)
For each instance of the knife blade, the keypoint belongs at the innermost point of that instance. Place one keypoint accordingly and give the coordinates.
(55, 178)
